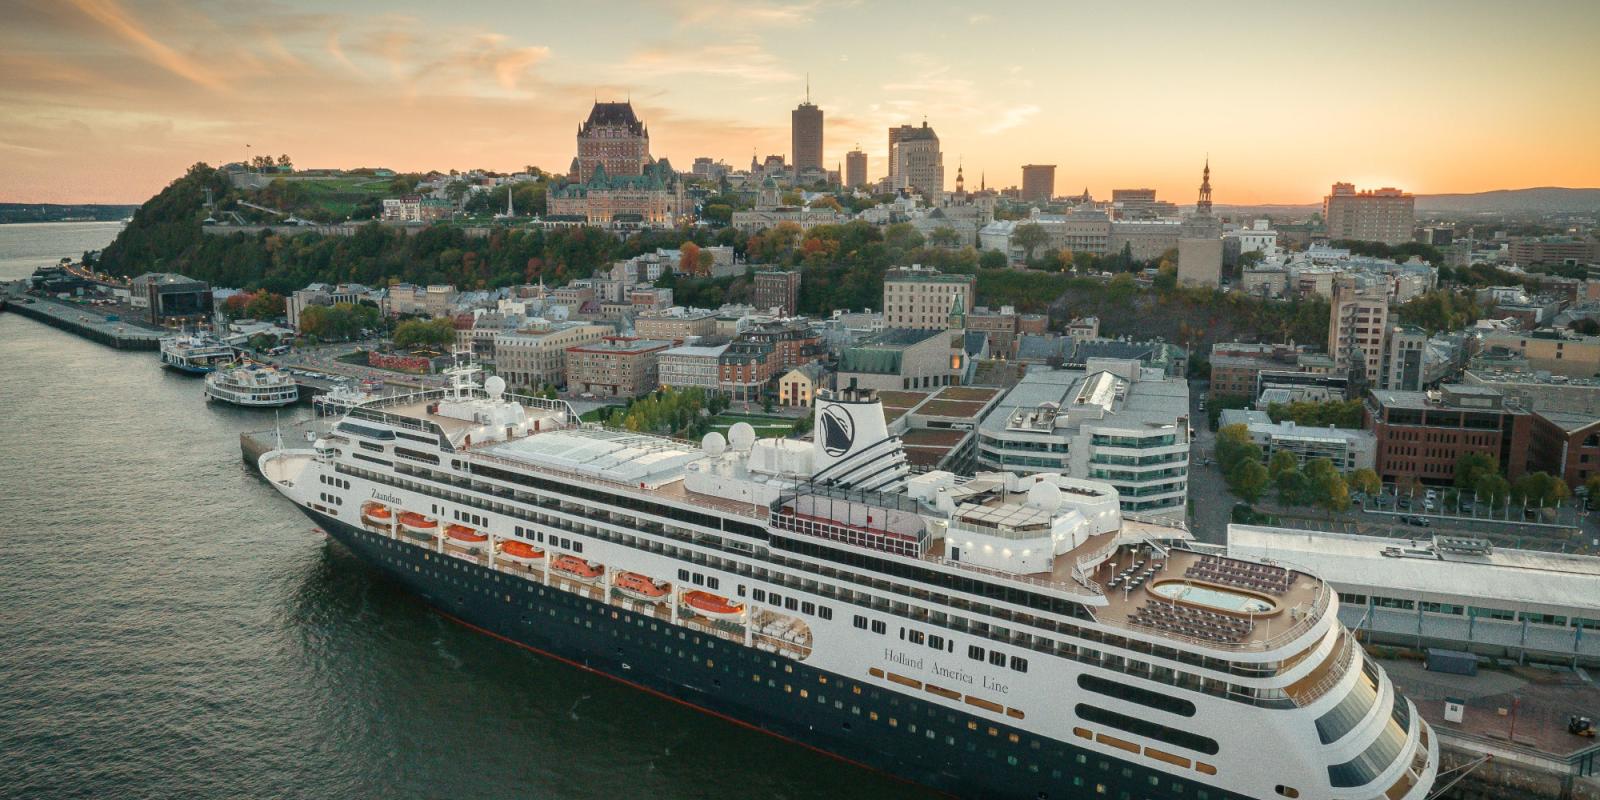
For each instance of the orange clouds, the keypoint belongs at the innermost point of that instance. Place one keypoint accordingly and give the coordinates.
(107, 100)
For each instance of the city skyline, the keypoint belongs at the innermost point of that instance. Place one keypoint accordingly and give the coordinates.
(108, 101)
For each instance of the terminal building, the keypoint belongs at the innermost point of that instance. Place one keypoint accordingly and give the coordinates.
(170, 299)
(1448, 592)
(1115, 421)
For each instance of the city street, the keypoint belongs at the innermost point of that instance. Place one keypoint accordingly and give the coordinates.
(1208, 493)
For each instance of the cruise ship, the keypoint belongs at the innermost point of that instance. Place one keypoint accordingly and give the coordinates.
(252, 386)
(196, 354)
(986, 636)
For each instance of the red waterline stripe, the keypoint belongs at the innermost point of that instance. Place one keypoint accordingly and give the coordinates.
(741, 723)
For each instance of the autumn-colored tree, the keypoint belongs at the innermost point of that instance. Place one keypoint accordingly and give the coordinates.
(265, 305)
(235, 305)
(689, 259)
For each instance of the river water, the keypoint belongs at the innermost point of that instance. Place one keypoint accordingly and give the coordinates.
(170, 627)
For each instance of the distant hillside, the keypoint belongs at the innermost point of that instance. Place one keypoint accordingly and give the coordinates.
(51, 212)
(1542, 200)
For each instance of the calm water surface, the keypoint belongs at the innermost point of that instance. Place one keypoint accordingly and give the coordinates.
(169, 627)
(26, 246)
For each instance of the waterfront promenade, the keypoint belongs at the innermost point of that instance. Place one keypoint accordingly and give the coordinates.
(86, 321)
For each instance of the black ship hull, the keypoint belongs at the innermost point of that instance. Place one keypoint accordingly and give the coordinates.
(861, 723)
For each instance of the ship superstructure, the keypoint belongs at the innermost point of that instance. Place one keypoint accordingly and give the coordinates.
(252, 385)
(197, 353)
(995, 636)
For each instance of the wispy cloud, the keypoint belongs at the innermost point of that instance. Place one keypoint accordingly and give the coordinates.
(747, 61)
(742, 15)
(1011, 118)
(114, 18)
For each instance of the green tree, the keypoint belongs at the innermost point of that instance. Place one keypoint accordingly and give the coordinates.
(944, 236)
(1492, 488)
(1338, 413)
(1539, 489)
(1440, 310)
(1319, 468)
(1365, 481)
(265, 305)
(1030, 237)
(1331, 491)
(992, 259)
(435, 333)
(1282, 461)
(1248, 480)
(1293, 487)
(1234, 445)
(1472, 467)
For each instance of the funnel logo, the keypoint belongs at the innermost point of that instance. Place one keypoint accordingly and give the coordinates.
(838, 430)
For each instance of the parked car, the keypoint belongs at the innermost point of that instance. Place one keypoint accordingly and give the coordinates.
(1421, 522)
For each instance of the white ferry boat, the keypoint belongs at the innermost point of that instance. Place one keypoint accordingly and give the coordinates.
(196, 354)
(252, 385)
(992, 636)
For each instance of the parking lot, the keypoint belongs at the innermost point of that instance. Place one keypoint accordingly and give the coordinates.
(1449, 506)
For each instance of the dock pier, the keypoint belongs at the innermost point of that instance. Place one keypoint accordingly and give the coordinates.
(87, 322)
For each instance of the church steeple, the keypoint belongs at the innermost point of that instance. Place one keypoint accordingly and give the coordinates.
(1204, 205)
(961, 181)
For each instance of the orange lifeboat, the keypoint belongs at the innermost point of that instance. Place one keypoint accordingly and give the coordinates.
(577, 568)
(377, 514)
(418, 525)
(639, 587)
(520, 552)
(463, 536)
(714, 606)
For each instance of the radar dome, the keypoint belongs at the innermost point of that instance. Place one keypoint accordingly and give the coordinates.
(713, 444)
(1045, 495)
(495, 387)
(742, 436)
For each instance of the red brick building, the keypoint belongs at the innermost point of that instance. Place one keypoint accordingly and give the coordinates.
(745, 369)
(778, 289)
(615, 366)
(793, 342)
(1420, 434)
(1567, 445)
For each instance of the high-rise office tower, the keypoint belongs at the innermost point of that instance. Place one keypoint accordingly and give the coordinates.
(1385, 215)
(915, 160)
(805, 124)
(855, 168)
(1038, 181)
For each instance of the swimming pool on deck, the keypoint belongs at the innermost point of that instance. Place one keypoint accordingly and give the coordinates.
(1213, 597)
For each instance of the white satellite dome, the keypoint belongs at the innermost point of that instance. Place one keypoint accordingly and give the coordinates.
(1045, 495)
(495, 387)
(742, 436)
(713, 444)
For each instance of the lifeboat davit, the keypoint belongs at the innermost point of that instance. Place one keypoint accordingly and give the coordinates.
(577, 568)
(639, 587)
(463, 536)
(378, 514)
(520, 552)
(714, 606)
(413, 523)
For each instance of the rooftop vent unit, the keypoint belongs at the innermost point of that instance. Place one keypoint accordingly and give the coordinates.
(1463, 545)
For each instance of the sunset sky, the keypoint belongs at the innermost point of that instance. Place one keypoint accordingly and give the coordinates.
(109, 100)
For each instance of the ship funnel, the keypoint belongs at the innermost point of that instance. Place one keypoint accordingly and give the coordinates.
(851, 443)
